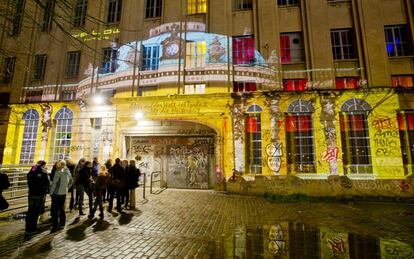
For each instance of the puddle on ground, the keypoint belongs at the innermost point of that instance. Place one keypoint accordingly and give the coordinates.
(294, 240)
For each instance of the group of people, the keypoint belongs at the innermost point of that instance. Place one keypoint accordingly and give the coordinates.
(101, 183)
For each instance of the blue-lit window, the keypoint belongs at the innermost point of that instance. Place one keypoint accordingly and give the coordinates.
(63, 135)
(31, 124)
(398, 41)
(151, 59)
(109, 56)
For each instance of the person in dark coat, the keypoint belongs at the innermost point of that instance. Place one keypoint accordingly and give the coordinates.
(38, 183)
(75, 175)
(84, 184)
(100, 186)
(108, 164)
(70, 164)
(132, 174)
(117, 178)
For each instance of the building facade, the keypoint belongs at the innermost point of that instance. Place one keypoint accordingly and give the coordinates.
(202, 89)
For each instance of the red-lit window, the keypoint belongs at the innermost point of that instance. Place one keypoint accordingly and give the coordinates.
(402, 81)
(355, 141)
(291, 48)
(254, 140)
(406, 127)
(300, 142)
(346, 83)
(244, 87)
(243, 50)
(294, 84)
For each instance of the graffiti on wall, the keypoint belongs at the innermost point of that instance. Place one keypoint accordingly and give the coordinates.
(187, 166)
(237, 114)
(386, 143)
(275, 242)
(328, 120)
(274, 156)
(274, 150)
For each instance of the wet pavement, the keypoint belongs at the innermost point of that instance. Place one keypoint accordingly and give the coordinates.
(207, 224)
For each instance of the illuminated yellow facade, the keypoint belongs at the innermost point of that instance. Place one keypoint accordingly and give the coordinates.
(218, 89)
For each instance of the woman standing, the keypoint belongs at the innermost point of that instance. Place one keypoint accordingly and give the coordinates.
(61, 183)
(100, 187)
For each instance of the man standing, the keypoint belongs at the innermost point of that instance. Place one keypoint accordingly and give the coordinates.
(117, 178)
(38, 183)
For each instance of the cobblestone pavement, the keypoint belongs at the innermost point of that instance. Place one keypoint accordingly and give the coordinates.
(207, 224)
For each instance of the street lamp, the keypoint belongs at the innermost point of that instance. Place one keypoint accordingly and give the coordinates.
(98, 99)
(138, 115)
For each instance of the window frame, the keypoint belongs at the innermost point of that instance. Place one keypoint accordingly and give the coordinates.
(109, 58)
(246, 53)
(48, 15)
(347, 41)
(195, 7)
(153, 9)
(195, 59)
(18, 17)
(287, 3)
(9, 65)
(72, 68)
(195, 88)
(64, 121)
(114, 12)
(31, 120)
(40, 63)
(151, 62)
(406, 132)
(408, 50)
(242, 5)
(80, 13)
(253, 136)
(301, 59)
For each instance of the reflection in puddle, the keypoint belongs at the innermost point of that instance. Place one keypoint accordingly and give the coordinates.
(293, 240)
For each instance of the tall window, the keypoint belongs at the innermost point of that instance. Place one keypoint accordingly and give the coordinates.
(406, 128)
(195, 54)
(31, 124)
(72, 64)
(300, 137)
(195, 89)
(244, 86)
(254, 139)
(292, 85)
(239, 5)
(355, 137)
(40, 66)
(287, 2)
(343, 44)
(8, 69)
(291, 47)
(63, 136)
(114, 11)
(18, 17)
(80, 13)
(48, 15)
(402, 81)
(153, 8)
(151, 58)
(196, 6)
(398, 41)
(243, 50)
(109, 56)
(346, 83)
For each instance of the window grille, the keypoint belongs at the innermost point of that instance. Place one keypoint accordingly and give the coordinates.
(196, 54)
(72, 64)
(196, 6)
(80, 13)
(114, 11)
(40, 66)
(254, 139)
(153, 8)
(343, 44)
(151, 58)
(398, 41)
(31, 124)
(243, 50)
(63, 134)
(291, 48)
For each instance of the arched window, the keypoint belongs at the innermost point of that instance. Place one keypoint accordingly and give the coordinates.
(254, 139)
(355, 136)
(63, 136)
(300, 137)
(31, 125)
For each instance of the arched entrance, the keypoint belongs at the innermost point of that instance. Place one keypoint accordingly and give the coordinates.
(182, 151)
